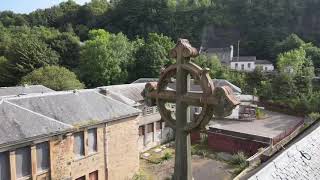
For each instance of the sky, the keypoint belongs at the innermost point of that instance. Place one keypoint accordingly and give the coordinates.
(27, 6)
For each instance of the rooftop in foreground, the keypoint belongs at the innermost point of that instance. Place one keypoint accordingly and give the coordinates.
(269, 128)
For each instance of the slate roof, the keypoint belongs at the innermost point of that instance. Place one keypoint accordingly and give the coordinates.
(76, 108)
(18, 90)
(145, 80)
(263, 62)
(300, 160)
(18, 124)
(244, 59)
(216, 82)
(131, 91)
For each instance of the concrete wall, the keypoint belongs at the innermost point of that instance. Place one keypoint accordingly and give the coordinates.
(266, 67)
(237, 65)
(122, 148)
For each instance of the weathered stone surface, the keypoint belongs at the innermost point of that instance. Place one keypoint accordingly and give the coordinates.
(122, 149)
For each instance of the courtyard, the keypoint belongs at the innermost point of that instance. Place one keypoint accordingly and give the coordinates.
(206, 164)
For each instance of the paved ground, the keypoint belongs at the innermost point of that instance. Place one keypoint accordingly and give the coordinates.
(203, 169)
(273, 125)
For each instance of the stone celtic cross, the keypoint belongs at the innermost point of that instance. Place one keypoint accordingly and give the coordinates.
(218, 101)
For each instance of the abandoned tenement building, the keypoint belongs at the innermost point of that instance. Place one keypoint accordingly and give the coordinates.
(67, 135)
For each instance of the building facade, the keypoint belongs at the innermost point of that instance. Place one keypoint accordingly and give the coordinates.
(68, 135)
(152, 130)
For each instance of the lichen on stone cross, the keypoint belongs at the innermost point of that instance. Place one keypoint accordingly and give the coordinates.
(218, 101)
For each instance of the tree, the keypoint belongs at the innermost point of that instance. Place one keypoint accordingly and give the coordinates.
(217, 71)
(54, 77)
(6, 76)
(290, 43)
(292, 61)
(28, 53)
(68, 47)
(104, 58)
(153, 55)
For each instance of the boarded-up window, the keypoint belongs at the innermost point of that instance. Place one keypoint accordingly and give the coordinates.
(92, 140)
(4, 166)
(78, 147)
(150, 128)
(158, 125)
(141, 130)
(81, 178)
(42, 156)
(93, 175)
(23, 162)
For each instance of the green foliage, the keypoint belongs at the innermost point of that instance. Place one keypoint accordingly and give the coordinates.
(291, 61)
(239, 160)
(54, 77)
(314, 116)
(104, 58)
(140, 176)
(259, 113)
(5, 75)
(68, 47)
(167, 156)
(28, 53)
(153, 55)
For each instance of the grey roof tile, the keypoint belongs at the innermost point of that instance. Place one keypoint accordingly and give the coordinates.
(18, 90)
(301, 160)
(76, 108)
(18, 124)
(131, 91)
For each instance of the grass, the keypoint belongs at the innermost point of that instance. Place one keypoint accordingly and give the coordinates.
(239, 162)
(141, 175)
(203, 151)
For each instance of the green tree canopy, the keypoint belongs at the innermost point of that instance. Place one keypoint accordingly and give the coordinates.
(153, 55)
(68, 47)
(104, 58)
(54, 77)
(28, 53)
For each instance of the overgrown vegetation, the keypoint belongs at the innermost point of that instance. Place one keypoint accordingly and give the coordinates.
(239, 161)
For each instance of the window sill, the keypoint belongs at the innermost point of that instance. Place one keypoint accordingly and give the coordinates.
(42, 172)
(83, 157)
(24, 178)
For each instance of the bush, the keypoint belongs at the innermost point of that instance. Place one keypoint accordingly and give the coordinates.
(140, 176)
(239, 161)
(314, 116)
(166, 156)
(238, 158)
(54, 77)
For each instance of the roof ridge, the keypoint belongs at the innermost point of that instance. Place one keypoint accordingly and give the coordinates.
(54, 93)
(49, 118)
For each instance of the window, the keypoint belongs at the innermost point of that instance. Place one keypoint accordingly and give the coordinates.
(150, 128)
(81, 178)
(141, 130)
(242, 66)
(236, 65)
(42, 156)
(158, 125)
(78, 147)
(92, 140)
(249, 65)
(23, 162)
(93, 175)
(4, 166)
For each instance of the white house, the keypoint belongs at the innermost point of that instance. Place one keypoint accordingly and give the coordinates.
(249, 63)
